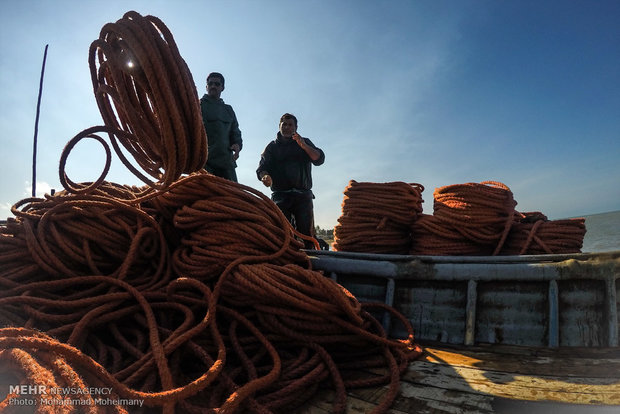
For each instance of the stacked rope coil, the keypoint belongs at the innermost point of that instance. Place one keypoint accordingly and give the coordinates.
(480, 219)
(468, 219)
(481, 212)
(377, 217)
(535, 234)
(187, 294)
(147, 98)
(430, 236)
(215, 228)
(74, 235)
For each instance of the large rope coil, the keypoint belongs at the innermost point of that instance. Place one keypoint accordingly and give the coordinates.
(480, 219)
(377, 217)
(535, 234)
(147, 98)
(481, 212)
(74, 235)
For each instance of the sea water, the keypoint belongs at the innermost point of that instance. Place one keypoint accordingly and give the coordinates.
(602, 232)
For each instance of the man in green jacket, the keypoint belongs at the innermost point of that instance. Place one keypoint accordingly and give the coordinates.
(222, 129)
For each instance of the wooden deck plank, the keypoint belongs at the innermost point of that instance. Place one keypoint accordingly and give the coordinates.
(413, 398)
(322, 404)
(576, 390)
(467, 380)
(536, 364)
(561, 352)
(503, 349)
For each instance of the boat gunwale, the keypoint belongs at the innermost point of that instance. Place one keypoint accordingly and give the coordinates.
(538, 258)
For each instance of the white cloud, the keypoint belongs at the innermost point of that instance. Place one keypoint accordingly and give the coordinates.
(41, 188)
(5, 211)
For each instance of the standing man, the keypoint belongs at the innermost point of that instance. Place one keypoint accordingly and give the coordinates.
(223, 134)
(286, 167)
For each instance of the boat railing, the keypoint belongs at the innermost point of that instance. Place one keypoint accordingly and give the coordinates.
(494, 296)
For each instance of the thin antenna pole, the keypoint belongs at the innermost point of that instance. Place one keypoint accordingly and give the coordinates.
(36, 128)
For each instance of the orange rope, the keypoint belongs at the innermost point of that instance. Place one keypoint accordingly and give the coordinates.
(35, 359)
(431, 237)
(147, 98)
(266, 280)
(480, 219)
(377, 217)
(483, 212)
(537, 235)
(468, 219)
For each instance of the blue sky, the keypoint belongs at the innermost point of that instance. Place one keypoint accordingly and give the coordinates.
(431, 92)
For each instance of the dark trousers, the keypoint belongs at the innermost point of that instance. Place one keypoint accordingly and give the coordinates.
(299, 210)
(228, 173)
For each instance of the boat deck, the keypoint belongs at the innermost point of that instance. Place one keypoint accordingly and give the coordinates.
(496, 379)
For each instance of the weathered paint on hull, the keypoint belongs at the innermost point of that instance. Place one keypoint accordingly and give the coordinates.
(547, 300)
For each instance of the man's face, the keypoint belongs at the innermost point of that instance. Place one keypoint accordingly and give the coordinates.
(214, 86)
(287, 127)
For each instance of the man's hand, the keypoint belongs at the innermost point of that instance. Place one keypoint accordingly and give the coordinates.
(312, 153)
(298, 139)
(267, 180)
(235, 149)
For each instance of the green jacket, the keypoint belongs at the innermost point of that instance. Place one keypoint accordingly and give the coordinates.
(222, 130)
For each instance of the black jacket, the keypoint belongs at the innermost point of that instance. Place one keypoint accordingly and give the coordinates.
(288, 164)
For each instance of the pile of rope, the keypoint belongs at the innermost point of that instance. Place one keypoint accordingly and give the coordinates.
(480, 219)
(248, 326)
(533, 233)
(190, 293)
(71, 235)
(377, 217)
(476, 219)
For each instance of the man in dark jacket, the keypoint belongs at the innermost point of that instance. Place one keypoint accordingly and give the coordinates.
(286, 167)
(222, 129)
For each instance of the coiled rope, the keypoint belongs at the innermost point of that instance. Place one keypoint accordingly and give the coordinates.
(74, 235)
(468, 219)
(482, 212)
(219, 221)
(377, 217)
(147, 98)
(430, 236)
(480, 219)
(535, 234)
(31, 357)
